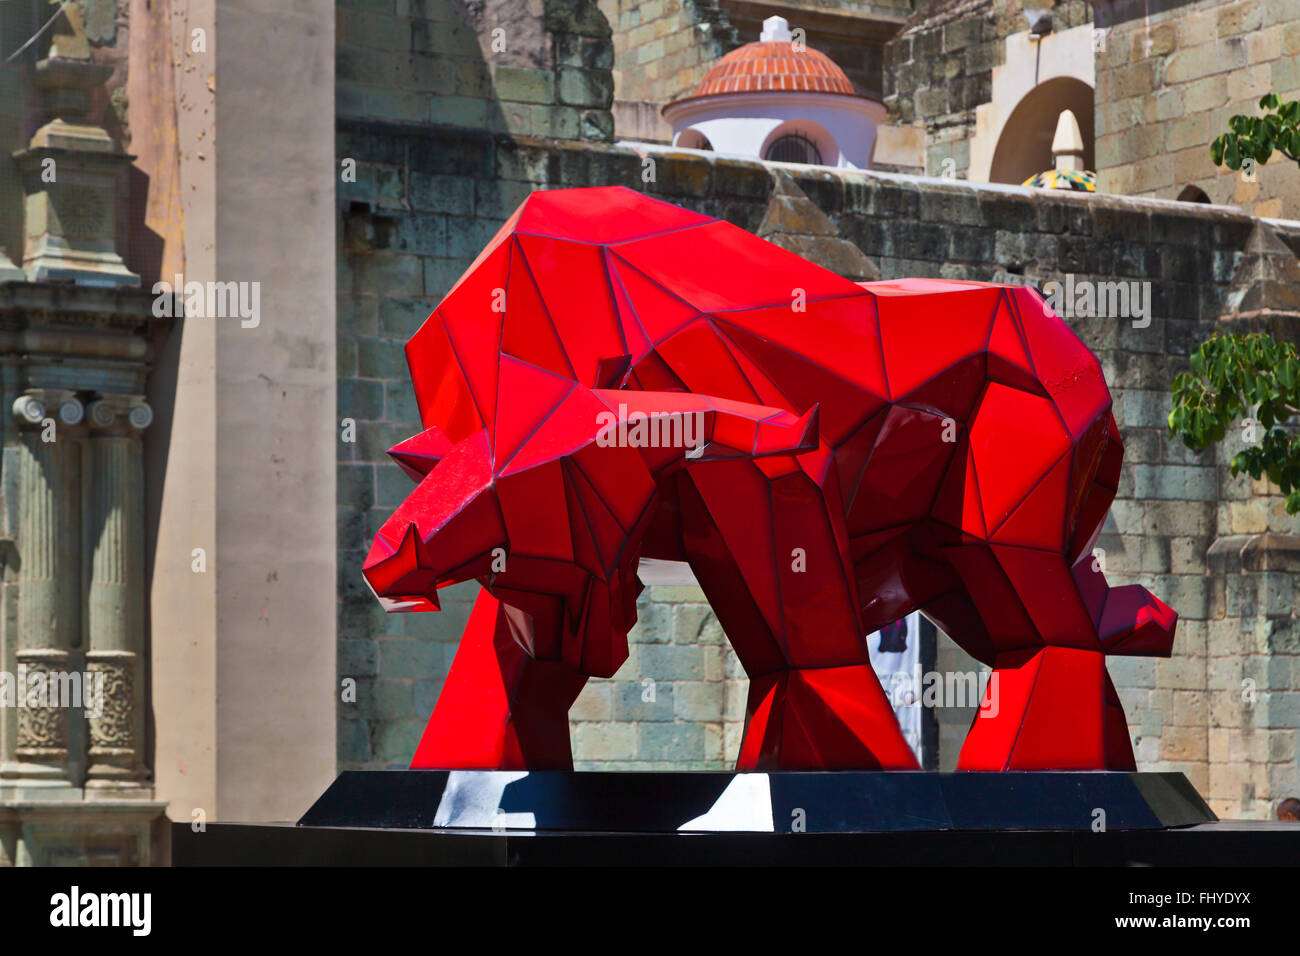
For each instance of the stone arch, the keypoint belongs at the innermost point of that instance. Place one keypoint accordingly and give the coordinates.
(1024, 146)
(692, 138)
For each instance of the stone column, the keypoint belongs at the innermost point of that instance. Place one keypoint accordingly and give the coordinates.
(49, 585)
(114, 505)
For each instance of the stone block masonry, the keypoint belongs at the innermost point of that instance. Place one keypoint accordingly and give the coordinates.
(1167, 82)
(538, 67)
(939, 68)
(661, 50)
(427, 199)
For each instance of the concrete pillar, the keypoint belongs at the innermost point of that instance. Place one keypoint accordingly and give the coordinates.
(244, 602)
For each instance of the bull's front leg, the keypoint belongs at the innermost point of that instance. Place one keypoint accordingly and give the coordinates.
(768, 545)
(500, 709)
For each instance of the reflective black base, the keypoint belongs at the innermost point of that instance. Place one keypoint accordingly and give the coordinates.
(810, 803)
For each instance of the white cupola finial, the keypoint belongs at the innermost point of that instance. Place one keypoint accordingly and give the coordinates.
(775, 29)
(1067, 144)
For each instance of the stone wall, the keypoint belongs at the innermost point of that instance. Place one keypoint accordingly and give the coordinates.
(662, 49)
(14, 131)
(1171, 75)
(534, 68)
(428, 199)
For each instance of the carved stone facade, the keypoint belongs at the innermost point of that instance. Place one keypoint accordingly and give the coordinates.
(74, 780)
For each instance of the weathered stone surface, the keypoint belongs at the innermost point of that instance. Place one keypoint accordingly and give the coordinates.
(496, 65)
(793, 222)
(1266, 282)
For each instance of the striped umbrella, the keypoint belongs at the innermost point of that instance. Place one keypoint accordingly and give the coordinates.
(1082, 180)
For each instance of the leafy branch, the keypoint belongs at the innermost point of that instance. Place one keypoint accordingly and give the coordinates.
(1253, 378)
(1257, 137)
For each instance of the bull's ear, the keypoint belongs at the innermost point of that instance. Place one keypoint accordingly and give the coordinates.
(419, 453)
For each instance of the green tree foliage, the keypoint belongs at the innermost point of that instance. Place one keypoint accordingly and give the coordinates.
(1253, 378)
(1257, 137)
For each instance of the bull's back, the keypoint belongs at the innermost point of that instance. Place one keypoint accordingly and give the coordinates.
(610, 288)
(912, 377)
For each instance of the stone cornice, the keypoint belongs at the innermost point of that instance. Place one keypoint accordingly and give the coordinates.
(1236, 553)
(31, 158)
(75, 809)
(25, 304)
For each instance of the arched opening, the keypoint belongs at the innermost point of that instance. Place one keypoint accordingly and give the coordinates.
(1025, 145)
(1193, 193)
(693, 139)
(801, 141)
(793, 148)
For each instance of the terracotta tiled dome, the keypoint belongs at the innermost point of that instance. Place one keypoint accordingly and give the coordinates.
(779, 101)
(766, 66)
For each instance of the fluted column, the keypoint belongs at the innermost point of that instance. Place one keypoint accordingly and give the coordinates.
(114, 482)
(49, 584)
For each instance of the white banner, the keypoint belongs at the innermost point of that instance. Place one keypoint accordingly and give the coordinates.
(896, 656)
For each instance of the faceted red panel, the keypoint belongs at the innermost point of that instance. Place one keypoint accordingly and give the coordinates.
(997, 723)
(444, 398)
(918, 340)
(1006, 341)
(1016, 438)
(522, 335)
(1062, 363)
(516, 421)
(902, 475)
(615, 377)
(1051, 734)
(849, 347)
(728, 269)
(707, 364)
(603, 215)
(952, 393)
(653, 312)
(1039, 520)
(579, 301)
(958, 504)
(847, 403)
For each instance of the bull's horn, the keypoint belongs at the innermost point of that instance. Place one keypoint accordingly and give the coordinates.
(418, 454)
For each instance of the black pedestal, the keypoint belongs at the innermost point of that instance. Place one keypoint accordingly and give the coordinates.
(829, 802)
(1228, 844)
(725, 819)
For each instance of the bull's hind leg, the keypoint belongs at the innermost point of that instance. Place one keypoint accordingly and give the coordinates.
(500, 709)
(766, 540)
(1046, 628)
(1016, 517)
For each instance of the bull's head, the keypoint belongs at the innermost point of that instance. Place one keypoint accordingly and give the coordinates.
(548, 510)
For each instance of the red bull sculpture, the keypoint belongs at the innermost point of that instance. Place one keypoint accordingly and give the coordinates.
(616, 378)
